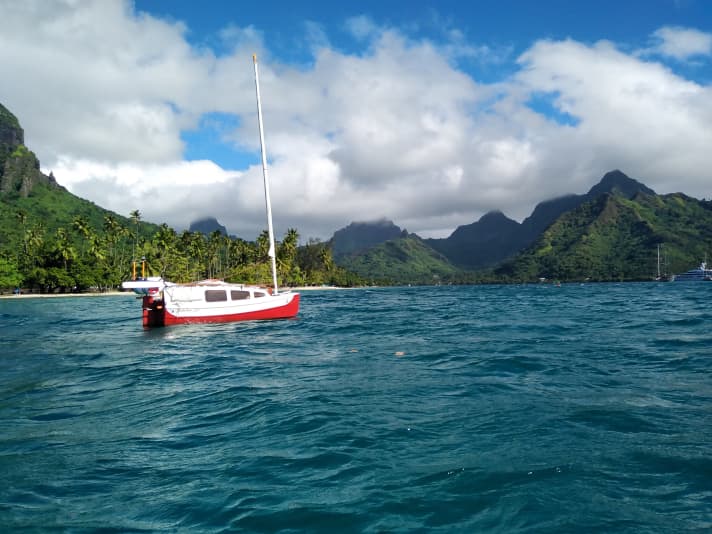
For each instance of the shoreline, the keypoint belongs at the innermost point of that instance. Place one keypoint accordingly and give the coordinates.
(132, 294)
(61, 295)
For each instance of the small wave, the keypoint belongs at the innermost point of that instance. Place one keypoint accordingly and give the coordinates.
(614, 420)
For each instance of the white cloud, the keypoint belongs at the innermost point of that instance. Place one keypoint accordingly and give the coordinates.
(395, 130)
(634, 115)
(681, 43)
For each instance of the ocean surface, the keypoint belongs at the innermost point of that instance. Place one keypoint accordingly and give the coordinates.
(581, 408)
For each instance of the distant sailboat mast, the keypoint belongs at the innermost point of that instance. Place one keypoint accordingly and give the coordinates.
(268, 204)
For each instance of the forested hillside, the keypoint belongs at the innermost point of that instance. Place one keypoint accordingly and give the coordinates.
(405, 260)
(616, 238)
(610, 233)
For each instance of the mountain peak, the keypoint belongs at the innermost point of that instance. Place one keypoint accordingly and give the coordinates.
(617, 181)
(494, 216)
(207, 226)
(359, 236)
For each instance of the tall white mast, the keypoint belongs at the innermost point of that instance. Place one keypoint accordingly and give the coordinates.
(268, 204)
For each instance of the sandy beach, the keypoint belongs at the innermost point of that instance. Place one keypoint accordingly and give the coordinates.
(57, 295)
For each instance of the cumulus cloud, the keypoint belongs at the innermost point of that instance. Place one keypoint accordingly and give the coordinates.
(634, 115)
(395, 129)
(681, 43)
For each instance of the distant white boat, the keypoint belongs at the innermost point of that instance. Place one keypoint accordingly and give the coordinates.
(701, 274)
(166, 303)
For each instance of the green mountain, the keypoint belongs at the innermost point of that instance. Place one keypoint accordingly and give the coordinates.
(399, 261)
(481, 244)
(610, 233)
(207, 226)
(615, 238)
(359, 237)
(495, 237)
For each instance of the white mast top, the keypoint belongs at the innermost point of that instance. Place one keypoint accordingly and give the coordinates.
(268, 204)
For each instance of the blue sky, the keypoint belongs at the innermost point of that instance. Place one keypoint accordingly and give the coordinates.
(507, 27)
(429, 114)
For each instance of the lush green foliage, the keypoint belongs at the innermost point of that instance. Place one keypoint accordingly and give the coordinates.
(54, 241)
(615, 238)
(406, 260)
(609, 237)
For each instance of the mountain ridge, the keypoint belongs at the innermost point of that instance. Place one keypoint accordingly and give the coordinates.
(489, 240)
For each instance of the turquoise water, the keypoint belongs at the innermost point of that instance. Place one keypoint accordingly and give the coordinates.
(440, 409)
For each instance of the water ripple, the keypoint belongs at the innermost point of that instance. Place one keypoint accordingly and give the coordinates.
(442, 409)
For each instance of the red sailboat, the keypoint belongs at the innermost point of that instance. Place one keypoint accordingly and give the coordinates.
(166, 303)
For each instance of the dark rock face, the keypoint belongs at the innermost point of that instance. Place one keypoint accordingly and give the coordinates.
(11, 134)
(207, 226)
(19, 167)
(21, 172)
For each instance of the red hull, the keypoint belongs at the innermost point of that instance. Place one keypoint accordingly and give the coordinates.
(155, 314)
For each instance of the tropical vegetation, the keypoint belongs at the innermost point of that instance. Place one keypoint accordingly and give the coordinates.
(53, 241)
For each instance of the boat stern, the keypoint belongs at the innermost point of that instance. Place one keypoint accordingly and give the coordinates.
(154, 311)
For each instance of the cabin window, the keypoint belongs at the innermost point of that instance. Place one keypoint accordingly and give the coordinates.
(239, 295)
(259, 294)
(215, 295)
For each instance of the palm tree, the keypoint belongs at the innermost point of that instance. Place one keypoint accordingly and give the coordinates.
(215, 245)
(287, 252)
(326, 259)
(34, 238)
(193, 245)
(95, 249)
(22, 255)
(170, 260)
(64, 248)
(263, 246)
(112, 233)
(81, 225)
(136, 219)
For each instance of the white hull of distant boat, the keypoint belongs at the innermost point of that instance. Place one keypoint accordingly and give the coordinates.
(701, 274)
(166, 303)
